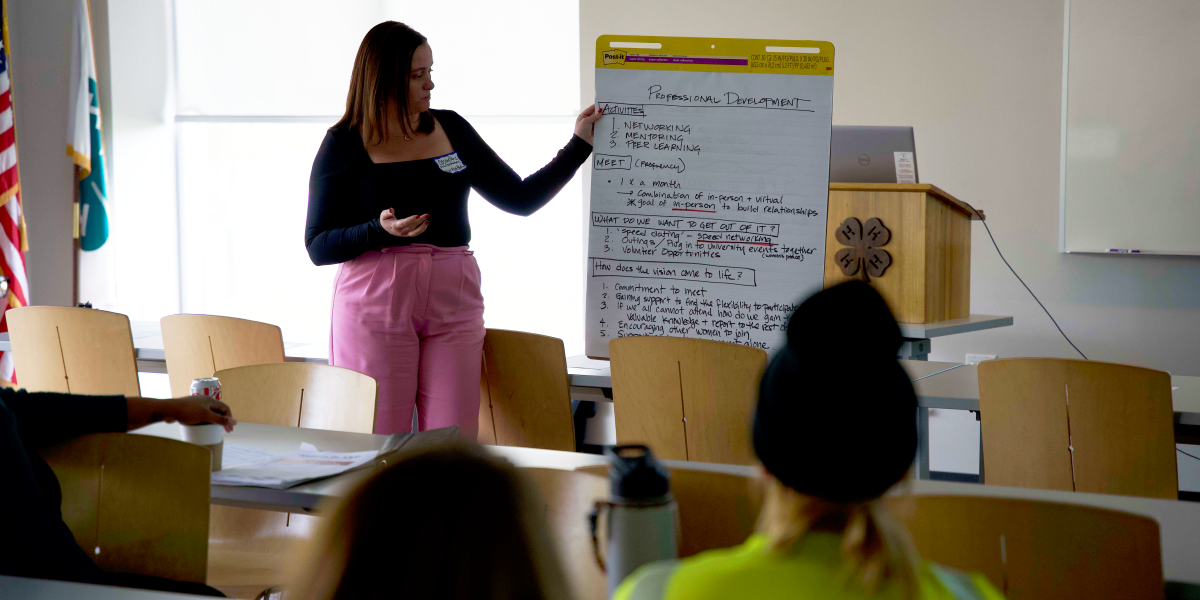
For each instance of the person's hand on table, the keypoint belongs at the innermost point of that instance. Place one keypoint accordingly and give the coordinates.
(199, 410)
(585, 123)
(406, 227)
(189, 410)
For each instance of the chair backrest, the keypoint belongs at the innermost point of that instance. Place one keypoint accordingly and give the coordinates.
(1033, 549)
(136, 503)
(75, 350)
(569, 498)
(249, 547)
(200, 345)
(716, 510)
(525, 399)
(687, 399)
(1078, 425)
(307, 395)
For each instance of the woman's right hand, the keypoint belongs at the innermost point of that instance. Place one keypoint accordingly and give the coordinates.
(407, 227)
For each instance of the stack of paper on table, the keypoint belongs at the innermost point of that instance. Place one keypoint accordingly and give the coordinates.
(248, 466)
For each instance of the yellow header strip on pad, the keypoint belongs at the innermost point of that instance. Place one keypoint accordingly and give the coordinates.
(717, 55)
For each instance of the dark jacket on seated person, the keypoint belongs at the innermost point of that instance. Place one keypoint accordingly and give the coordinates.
(34, 540)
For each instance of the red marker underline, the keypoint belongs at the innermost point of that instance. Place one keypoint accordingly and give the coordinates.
(694, 210)
(724, 242)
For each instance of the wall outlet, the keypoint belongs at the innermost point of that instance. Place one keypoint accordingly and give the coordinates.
(974, 359)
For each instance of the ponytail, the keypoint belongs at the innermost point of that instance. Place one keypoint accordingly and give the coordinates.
(875, 548)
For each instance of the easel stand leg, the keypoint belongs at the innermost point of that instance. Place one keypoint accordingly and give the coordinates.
(922, 442)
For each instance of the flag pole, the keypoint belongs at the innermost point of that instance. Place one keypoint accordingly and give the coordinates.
(75, 241)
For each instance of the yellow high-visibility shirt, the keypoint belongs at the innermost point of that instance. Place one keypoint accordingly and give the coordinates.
(813, 569)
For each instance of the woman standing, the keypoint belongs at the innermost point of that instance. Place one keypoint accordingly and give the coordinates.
(407, 309)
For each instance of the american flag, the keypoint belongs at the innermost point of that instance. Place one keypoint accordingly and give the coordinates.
(12, 221)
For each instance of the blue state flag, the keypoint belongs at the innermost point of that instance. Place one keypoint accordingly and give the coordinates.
(85, 145)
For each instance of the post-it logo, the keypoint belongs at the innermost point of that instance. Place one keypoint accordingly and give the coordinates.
(614, 57)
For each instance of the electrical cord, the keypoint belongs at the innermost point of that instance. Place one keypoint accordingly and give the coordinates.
(939, 372)
(1186, 454)
(1014, 272)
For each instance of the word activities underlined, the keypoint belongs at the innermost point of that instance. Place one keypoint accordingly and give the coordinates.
(708, 198)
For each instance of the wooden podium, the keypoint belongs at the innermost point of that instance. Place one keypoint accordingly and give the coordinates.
(911, 241)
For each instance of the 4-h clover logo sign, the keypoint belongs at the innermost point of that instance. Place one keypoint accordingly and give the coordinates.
(864, 253)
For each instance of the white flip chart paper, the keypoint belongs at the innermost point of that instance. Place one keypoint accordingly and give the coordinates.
(709, 189)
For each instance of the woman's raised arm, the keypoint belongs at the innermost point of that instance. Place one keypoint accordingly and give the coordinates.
(499, 184)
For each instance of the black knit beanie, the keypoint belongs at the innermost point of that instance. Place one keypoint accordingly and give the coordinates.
(836, 415)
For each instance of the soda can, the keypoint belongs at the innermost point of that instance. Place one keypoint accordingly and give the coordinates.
(207, 386)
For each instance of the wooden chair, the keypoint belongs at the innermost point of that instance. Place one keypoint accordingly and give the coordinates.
(309, 395)
(524, 396)
(247, 547)
(200, 345)
(73, 350)
(136, 503)
(687, 399)
(569, 498)
(1078, 425)
(1032, 549)
(716, 510)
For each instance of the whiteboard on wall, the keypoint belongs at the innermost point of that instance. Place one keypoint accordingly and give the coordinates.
(1131, 127)
(710, 182)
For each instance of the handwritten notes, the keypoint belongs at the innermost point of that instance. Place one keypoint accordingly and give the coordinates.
(710, 180)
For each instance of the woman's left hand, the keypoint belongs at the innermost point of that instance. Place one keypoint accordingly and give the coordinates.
(586, 122)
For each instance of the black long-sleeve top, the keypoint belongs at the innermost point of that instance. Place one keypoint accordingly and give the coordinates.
(34, 540)
(43, 419)
(347, 192)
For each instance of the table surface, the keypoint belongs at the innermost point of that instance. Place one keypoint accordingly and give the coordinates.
(583, 372)
(301, 498)
(307, 497)
(952, 389)
(147, 337)
(938, 385)
(45, 589)
(1179, 521)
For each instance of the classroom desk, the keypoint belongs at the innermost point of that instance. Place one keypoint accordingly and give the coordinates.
(148, 344)
(301, 498)
(938, 385)
(25, 588)
(1179, 522)
(307, 497)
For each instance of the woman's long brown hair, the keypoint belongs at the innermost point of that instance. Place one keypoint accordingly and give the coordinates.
(876, 550)
(448, 522)
(380, 81)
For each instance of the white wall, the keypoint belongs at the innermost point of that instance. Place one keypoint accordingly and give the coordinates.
(981, 83)
(142, 189)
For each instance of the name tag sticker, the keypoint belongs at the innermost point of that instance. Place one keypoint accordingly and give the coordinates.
(450, 163)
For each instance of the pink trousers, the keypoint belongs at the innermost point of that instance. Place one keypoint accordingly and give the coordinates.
(412, 318)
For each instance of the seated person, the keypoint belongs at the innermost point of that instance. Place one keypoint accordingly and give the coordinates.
(34, 540)
(835, 428)
(448, 521)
